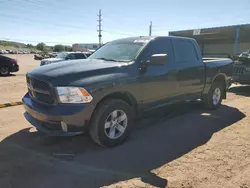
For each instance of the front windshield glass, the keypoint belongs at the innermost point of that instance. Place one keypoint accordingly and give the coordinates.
(118, 51)
(62, 55)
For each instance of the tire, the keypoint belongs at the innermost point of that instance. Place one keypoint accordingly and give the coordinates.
(4, 71)
(102, 130)
(210, 101)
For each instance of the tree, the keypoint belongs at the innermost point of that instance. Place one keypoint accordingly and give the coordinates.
(29, 45)
(59, 48)
(41, 46)
(68, 48)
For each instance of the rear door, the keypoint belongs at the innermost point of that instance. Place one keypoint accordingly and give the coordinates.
(159, 83)
(191, 69)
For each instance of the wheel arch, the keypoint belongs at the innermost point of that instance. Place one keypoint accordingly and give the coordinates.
(221, 78)
(122, 95)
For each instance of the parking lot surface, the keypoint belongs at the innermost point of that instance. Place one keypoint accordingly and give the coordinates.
(188, 148)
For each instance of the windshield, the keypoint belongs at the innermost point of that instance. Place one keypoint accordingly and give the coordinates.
(118, 51)
(62, 55)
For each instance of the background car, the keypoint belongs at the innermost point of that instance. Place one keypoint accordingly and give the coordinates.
(65, 56)
(8, 65)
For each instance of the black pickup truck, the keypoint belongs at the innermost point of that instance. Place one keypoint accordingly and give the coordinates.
(120, 81)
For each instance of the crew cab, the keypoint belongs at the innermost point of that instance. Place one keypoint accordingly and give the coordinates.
(120, 81)
(241, 71)
(8, 65)
(65, 56)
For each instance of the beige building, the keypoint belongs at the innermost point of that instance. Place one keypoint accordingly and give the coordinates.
(85, 47)
(219, 41)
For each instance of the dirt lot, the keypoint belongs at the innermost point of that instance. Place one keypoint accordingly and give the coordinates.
(188, 148)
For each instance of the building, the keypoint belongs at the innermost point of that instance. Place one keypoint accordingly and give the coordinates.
(220, 41)
(85, 47)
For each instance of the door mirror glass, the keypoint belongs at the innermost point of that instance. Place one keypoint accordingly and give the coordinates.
(158, 59)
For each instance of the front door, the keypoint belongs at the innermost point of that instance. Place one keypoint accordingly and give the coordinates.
(159, 82)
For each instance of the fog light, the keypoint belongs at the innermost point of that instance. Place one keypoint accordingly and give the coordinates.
(64, 126)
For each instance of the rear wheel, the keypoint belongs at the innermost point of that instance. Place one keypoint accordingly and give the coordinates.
(4, 71)
(215, 95)
(111, 123)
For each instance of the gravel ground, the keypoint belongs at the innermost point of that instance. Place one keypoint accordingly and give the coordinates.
(188, 148)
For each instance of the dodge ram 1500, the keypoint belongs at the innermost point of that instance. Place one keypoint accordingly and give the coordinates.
(121, 80)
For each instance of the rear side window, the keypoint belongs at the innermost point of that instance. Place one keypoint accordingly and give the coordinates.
(71, 56)
(80, 56)
(184, 51)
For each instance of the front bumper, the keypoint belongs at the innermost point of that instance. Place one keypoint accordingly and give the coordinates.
(48, 118)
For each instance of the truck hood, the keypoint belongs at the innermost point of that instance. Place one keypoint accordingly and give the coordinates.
(80, 72)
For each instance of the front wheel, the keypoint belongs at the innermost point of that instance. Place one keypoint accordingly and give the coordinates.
(111, 123)
(214, 97)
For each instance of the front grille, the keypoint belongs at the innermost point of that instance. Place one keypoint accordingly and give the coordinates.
(43, 97)
(238, 70)
(41, 85)
(40, 90)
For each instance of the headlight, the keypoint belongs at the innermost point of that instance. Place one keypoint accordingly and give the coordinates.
(73, 95)
(248, 69)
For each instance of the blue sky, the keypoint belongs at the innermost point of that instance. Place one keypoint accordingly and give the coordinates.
(75, 21)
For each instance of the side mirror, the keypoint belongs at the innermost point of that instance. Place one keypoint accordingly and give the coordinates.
(158, 59)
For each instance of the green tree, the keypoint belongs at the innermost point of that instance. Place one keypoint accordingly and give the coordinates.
(68, 48)
(30, 46)
(59, 48)
(41, 46)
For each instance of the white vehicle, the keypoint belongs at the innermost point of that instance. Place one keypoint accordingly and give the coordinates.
(65, 56)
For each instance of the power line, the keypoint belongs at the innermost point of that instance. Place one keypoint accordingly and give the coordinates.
(21, 40)
(118, 32)
(40, 21)
(27, 8)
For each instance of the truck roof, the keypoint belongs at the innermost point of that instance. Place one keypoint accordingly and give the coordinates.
(148, 38)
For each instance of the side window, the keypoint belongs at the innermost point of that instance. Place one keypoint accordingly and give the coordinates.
(184, 51)
(158, 46)
(71, 56)
(80, 56)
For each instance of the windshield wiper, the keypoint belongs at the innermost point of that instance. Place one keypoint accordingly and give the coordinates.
(106, 59)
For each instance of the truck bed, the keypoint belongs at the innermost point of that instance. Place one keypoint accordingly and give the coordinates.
(211, 59)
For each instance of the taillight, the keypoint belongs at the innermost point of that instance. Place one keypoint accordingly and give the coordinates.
(13, 61)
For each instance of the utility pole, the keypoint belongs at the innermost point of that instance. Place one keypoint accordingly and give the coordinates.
(150, 28)
(100, 27)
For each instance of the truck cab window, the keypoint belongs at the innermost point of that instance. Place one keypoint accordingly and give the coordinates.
(184, 51)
